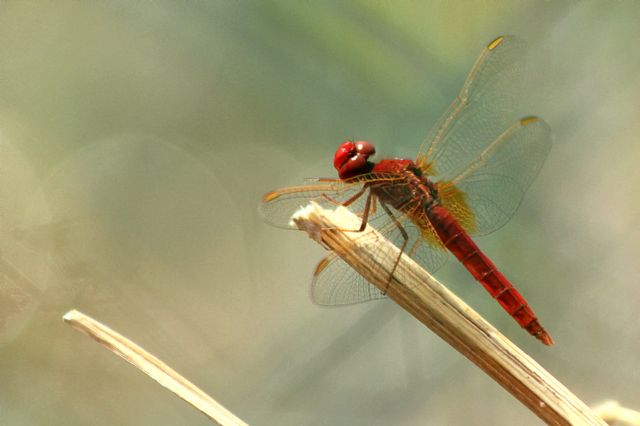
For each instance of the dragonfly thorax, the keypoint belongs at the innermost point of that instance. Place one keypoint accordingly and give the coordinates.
(409, 186)
(352, 158)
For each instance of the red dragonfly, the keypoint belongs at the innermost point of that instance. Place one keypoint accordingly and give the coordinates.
(469, 178)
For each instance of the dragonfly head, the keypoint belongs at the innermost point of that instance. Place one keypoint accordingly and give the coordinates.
(352, 158)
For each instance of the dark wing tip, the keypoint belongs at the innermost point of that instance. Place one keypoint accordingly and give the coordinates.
(270, 196)
(495, 42)
(530, 120)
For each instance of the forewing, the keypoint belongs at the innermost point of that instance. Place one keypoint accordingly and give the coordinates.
(277, 207)
(495, 182)
(483, 109)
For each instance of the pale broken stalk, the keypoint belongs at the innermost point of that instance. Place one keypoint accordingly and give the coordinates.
(613, 413)
(449, 317)
(153, 367)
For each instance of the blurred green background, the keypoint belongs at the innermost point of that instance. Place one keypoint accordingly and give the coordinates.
(136, 139)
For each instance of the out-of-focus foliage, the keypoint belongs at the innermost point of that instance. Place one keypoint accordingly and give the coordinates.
(136, 139)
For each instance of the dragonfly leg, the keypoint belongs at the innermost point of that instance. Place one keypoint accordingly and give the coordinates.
(365, 212)
(374, 205)
(350, 201)
(405, 238)
(414, 247)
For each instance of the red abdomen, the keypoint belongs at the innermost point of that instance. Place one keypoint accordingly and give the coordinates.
(456, 239)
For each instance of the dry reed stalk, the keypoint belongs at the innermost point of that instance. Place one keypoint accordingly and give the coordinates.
(152, 366)
(615, 414)
(449, 317)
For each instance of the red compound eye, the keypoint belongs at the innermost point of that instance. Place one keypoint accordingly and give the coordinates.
(351, 158)
(344, 152)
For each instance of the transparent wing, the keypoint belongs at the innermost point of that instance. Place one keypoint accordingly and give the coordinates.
(277, 207)
(483, 109)
(335, 283)
(494, 183)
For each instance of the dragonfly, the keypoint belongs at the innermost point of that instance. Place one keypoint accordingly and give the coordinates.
(468, 179)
